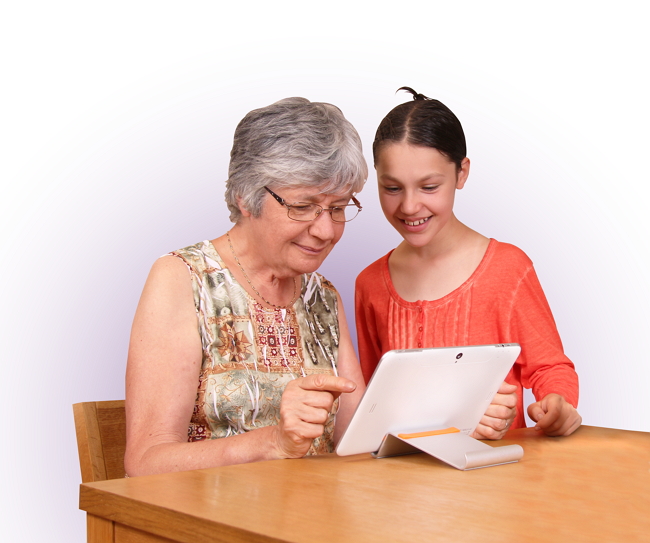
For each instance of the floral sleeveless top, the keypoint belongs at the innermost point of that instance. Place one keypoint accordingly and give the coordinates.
(250, 352)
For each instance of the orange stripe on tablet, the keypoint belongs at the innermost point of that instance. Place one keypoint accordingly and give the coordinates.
(432, 433)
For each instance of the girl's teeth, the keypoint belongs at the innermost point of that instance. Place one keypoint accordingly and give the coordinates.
(416, 223)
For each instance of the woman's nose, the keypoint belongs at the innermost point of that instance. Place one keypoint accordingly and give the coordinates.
(323, 227)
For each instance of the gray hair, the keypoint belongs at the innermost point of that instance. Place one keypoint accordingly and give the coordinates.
(293, 143)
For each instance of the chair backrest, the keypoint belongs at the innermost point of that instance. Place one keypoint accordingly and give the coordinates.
(101, 439)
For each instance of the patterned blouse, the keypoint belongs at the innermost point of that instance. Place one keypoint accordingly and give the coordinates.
(250, 352)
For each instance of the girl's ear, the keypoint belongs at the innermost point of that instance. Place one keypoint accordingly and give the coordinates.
(463, 173)
(242, 208)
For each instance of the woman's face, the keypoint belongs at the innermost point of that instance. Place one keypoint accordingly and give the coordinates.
(292, 247)
(417, 186)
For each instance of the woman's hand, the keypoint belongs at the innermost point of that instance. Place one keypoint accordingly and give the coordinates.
(305, 406)
(499, 415)
(554, 416)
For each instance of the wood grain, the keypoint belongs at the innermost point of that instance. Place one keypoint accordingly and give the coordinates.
(101, 439)
(591, 486)
(99, 529)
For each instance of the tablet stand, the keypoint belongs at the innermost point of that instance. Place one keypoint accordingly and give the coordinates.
(456, 449)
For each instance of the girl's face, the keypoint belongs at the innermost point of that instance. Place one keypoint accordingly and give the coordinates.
(417, 186)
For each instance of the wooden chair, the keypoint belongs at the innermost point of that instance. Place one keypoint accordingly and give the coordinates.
(101, 439)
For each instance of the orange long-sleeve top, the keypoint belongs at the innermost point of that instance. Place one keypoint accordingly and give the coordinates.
(502, 302)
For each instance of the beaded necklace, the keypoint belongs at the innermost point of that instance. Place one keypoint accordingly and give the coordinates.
(294, 296)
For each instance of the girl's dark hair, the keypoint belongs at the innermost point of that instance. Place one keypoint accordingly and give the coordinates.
(423, 121)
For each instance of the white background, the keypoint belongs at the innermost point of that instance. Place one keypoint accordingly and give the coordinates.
(116, 125)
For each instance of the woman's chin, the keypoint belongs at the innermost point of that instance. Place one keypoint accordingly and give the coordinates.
(307, 267)
(309, 261)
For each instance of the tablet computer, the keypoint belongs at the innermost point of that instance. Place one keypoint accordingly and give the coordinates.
(424, 390)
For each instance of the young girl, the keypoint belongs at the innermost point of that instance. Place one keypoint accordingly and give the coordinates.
(447, 285)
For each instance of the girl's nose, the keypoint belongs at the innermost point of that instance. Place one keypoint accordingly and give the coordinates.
(410, 204)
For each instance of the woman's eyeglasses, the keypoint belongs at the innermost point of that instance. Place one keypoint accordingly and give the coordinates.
(305, 212)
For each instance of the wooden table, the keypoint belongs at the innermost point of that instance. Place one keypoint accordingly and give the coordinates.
(591, 486)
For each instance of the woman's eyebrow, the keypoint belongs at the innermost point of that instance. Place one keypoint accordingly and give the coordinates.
(318, 197)
(343, 200)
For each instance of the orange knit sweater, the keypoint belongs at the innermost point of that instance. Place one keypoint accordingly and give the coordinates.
(502, 302)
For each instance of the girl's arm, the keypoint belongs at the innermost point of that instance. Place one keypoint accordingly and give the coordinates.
(348, 367)
(545, 368)
(499, 415)
(367, 335)
(554, 415)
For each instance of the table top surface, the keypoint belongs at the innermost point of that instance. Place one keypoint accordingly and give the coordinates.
(591, 486)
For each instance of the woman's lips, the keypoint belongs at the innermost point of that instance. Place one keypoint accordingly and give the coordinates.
(311, 250)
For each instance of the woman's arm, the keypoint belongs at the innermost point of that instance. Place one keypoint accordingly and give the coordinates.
(348, 367)
(162, 379)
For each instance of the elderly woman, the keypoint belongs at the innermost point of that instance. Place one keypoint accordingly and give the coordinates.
(240, 351)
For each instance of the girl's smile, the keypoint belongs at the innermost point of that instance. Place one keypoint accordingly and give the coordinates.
(417, 223)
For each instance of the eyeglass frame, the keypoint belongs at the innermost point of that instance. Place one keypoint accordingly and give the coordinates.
(330, 210)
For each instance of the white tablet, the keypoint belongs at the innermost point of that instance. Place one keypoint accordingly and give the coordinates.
(424, 390)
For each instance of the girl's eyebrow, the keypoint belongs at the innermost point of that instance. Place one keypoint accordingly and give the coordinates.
(421, 180)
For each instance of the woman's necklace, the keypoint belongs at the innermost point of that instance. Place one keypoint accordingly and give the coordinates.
(294, 297)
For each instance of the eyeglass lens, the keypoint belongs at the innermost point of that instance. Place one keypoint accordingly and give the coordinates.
(308, 212)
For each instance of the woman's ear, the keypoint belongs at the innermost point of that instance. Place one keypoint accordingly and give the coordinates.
(463, 173)
(242, 208)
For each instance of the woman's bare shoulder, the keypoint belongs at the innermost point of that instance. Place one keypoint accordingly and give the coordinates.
(167, 297)
(169, 271)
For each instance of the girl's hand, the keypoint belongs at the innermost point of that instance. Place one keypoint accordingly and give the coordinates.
(554, 416)
(499, 415)
(305, 406)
